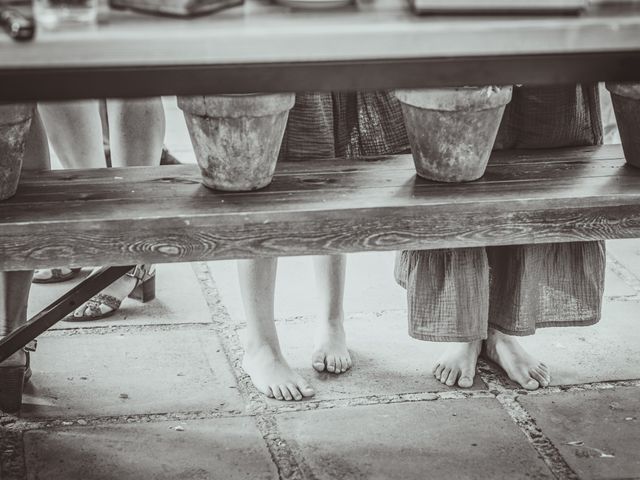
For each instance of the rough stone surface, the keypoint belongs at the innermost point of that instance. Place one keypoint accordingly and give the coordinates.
(229, 448)
(606, 351)
(171, 305)
(598, 423)
(414, 441)
(129, 373)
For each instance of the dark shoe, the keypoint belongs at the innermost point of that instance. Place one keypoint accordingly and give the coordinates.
(12, 381)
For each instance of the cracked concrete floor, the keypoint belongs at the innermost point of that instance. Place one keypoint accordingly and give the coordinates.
(157, 391)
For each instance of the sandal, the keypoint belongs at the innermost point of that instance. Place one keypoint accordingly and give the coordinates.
(12, 381)
(54, 275)
(144, 291)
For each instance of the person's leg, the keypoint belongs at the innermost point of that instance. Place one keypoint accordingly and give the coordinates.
(330, 352)
(75, 132)
(263, 360)
(14, 286)
(136, 132)
(447, 301)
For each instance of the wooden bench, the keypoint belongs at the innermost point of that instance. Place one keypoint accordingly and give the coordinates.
(125, 216)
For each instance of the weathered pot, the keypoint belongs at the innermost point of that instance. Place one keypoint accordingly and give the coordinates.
(626, 105)
(237, 138)
(15, 121)
(452, 130)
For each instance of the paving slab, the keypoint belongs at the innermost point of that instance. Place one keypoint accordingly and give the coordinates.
(386, 360)
(178, 300)
(597, 432)
(627, 252)
(130, 373)
(457, 439)
(606, 351)
(225, 448)
(615, 286)
(369, 286)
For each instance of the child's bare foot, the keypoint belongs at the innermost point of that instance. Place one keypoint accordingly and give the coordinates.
(522, 368)
(330, 352)
(272, 375)
(458, 364)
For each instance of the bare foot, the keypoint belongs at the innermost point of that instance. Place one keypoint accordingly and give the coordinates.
(271, 374)
(458, 364)
(522, 368)
(330, 352)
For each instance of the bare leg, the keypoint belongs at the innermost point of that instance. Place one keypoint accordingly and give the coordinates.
(330, 352)
(520, 366)
(263, 360)
(458, 364)
(75, 132)
(136, 132)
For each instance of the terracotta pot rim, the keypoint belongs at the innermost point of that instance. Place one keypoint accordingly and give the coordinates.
(237, 105)
(456, 98)
(624, 89)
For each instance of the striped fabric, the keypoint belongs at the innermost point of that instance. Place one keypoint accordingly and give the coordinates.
(453, 295)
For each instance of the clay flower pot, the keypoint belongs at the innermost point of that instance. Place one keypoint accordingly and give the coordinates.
(452, 130)
(626, 105)
(15, 121)
(237, 138)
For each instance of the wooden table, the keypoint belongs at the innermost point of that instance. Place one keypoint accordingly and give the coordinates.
(258, 47)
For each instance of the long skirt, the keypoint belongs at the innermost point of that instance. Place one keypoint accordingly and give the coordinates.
(457, 294)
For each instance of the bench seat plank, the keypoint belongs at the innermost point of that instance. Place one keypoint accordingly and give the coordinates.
(163, 214)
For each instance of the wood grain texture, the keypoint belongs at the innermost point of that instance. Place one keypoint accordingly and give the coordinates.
(163, 214)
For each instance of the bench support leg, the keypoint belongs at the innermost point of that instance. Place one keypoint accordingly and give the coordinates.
(59, 309)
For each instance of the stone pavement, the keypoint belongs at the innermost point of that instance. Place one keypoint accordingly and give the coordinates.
(157, 391)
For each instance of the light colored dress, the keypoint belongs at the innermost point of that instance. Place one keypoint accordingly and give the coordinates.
(456, 294)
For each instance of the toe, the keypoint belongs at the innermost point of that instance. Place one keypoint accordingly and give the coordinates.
(305, 389)
(276, 392)
(530, 384)
(438, 372)
(346, 364)
(295, 393)
(331, 363)
(539, 376)
(338, 364)
(453, 376)
(317, 361)
(444, 375)
(285, 392)
(435, 368)
(466, 380)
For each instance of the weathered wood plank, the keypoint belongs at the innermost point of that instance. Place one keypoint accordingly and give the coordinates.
(155, 216)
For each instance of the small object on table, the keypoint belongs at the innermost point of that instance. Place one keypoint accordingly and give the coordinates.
(18, 26)
(315, 4)
(460, 7)
(56, 14)
(175, 8)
